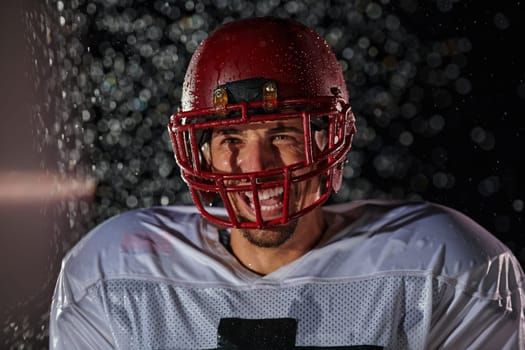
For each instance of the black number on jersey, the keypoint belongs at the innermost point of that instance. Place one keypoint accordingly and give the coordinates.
(267, 334)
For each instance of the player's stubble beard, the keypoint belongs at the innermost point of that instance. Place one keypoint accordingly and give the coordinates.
(270, 237)
(275, 236)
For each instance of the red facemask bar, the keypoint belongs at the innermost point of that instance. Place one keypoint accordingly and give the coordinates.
(189, 132)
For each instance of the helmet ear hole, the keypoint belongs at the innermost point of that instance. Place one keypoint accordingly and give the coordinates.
(206, 155)
(321, 139)
(337, 177)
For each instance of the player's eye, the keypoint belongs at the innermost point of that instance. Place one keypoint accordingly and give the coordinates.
(230, 141)
(284, 138)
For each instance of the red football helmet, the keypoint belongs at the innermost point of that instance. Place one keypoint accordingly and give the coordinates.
(260, 70)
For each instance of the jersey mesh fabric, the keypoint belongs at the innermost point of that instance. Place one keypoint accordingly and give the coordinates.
(160, 315)
(392, 274)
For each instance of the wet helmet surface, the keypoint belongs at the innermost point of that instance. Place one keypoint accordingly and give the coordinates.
(254, 71)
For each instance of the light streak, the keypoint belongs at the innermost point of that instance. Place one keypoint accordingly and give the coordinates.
(29, 186)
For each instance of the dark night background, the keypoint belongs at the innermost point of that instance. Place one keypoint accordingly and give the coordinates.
(438, 88)
(496, 103)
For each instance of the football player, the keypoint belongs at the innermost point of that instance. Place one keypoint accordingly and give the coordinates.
(261, 139)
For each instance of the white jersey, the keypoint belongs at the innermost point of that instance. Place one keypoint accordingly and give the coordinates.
(386, 275)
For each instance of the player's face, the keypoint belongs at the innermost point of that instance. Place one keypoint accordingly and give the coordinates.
(262, 146)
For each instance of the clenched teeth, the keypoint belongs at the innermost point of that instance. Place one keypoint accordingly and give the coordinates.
(266, 194)
(268, 207)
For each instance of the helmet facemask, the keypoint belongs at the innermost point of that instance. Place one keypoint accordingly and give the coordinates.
(262, 70)
(281, 193)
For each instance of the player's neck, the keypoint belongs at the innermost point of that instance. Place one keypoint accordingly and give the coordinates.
(263, 260)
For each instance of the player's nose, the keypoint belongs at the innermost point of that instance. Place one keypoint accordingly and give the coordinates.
(259, 155)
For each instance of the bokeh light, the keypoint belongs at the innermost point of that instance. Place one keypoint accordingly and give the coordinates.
(113, 70)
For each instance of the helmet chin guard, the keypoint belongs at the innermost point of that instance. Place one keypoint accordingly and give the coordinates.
(279, 70)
